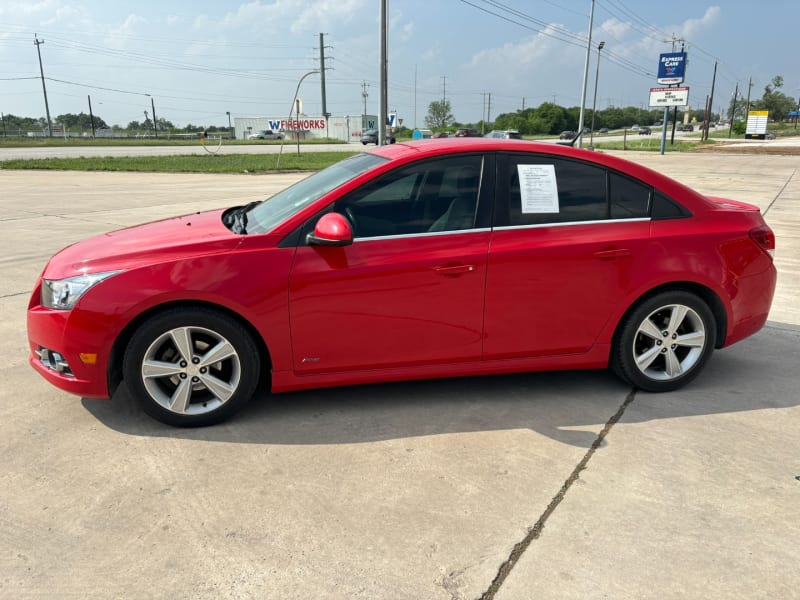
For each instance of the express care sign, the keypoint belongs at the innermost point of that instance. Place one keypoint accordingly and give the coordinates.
(671, 67)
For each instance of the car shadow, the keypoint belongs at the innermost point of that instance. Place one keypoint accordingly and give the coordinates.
(569, 407)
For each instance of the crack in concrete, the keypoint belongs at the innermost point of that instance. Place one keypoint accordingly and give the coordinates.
(778, 195)
(535, 532)
(14, 294)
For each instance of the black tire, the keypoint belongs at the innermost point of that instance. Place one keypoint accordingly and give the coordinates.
(205, 388)
(654, 354)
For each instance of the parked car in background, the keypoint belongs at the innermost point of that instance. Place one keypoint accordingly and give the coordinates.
(370, 136)
(603, 130)
(644, 131)
(509, 134)
(266, 134)
(440, 259)
(440, 134)
(687, 127)
(567, 135)
(468, 132)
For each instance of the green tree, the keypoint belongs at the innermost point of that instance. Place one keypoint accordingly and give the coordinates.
(80, 121)
(439, 114)
(776, 102)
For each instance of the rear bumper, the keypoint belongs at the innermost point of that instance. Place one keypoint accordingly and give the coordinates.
(750, 304)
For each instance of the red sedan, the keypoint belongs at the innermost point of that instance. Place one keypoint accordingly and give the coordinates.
(426, 259)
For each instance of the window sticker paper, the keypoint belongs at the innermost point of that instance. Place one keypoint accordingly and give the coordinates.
(538, 188)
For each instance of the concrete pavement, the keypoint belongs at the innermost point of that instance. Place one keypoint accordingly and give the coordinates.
(413, 490)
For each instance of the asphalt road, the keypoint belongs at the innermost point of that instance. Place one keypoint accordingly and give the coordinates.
(33, 152)
(581, 487)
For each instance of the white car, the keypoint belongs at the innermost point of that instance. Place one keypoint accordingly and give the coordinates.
(266, 134)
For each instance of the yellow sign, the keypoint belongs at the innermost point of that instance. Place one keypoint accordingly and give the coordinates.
(758, 113)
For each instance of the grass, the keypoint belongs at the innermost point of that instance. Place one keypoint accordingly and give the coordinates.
(26, 142)
(650, 144)
(189, 163)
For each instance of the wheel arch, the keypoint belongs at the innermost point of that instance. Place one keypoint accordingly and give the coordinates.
(706, 294)
(121, 342)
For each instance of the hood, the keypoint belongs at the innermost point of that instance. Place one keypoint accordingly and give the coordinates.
(188, 236)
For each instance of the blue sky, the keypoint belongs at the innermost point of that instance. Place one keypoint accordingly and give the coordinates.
(201, 59)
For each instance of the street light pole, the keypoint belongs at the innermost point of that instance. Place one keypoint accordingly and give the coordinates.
(230, 129)
(294, 103)
(594, 102)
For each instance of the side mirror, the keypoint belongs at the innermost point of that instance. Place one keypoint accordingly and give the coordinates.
(332, 229)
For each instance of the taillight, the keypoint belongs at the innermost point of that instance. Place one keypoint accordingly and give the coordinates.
(764, 239)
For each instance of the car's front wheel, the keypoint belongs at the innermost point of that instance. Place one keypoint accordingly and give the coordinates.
(191, 367)
(664, 342)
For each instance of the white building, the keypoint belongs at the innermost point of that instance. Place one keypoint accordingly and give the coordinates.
(346, 129)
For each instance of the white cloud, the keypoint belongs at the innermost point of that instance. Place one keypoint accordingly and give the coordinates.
(299, 16)
(691, 27)
(118, 36)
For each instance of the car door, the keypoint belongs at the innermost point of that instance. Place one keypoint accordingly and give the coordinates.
(568, 240)
(409, 290)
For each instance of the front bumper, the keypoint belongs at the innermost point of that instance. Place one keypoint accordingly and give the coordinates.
(57, 343)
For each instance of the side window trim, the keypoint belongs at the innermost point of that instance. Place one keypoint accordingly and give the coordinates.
(572, 223)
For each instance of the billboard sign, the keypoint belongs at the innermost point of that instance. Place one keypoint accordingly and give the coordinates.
(756, 125)
(671, 67)
(675, 96)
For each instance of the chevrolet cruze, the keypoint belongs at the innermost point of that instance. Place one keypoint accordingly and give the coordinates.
(426, 259)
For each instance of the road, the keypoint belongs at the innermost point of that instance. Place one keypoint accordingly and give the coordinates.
(33, 152)
(411, 490)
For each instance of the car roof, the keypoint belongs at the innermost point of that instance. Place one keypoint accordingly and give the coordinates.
(416, 150)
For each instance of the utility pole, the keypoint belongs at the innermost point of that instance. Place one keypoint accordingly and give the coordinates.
(38, 43)
(747, 108)
(733, 109)
(415, 97)
(322, 69)
(489, 109)
(444, 88)
(585, 78)
(523, 104)
(483, 114)
(364, 95)
(153, 106)
(384, 76)
(91, 115)
(711, 99)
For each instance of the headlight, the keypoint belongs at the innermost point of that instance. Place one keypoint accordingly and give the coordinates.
(64, 293)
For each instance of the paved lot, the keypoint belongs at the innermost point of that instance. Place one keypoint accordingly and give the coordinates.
(413, 490)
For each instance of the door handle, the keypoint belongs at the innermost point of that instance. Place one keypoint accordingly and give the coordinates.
(451, 270)
(612, 253)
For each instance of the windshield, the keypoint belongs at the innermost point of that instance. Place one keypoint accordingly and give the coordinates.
(266, 215)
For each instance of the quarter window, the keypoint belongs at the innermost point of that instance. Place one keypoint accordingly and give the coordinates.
(629, 199)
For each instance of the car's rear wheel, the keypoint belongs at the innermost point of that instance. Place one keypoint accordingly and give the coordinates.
(191, 367)
(664, 342)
